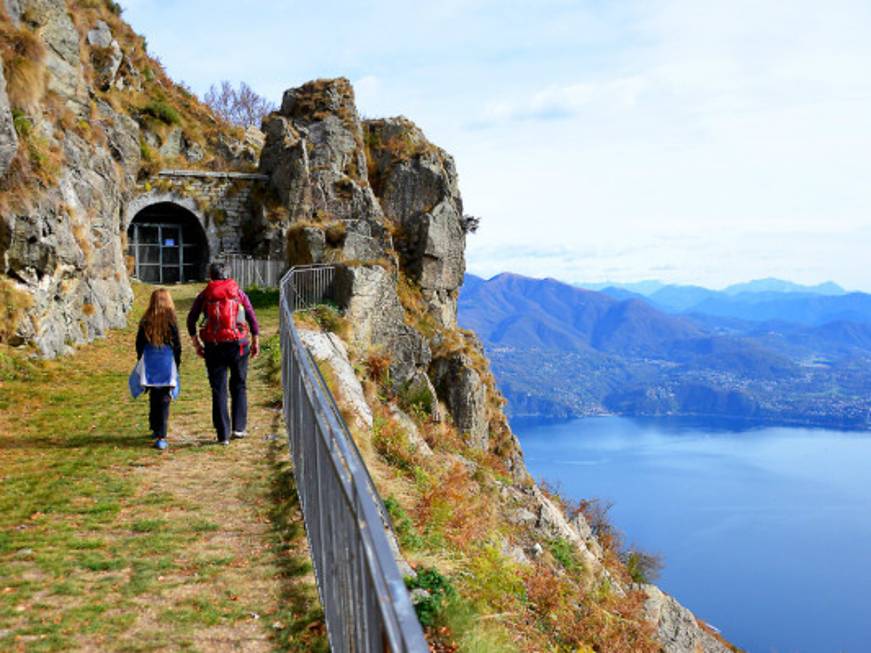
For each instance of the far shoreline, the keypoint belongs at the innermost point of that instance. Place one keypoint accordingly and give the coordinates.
(699, 419)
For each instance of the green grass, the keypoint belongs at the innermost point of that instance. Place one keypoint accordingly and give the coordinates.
(162, 111)
(107, 544)
(566, 554)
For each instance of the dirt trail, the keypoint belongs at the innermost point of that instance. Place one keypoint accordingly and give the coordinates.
(106, 544)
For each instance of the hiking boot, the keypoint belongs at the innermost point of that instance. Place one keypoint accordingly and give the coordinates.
(238, 435)
(161, 444)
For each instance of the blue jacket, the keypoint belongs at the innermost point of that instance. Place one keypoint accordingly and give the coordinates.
(156, 368)
(157, 365)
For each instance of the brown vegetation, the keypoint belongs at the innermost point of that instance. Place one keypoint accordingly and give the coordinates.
(15, 302)
(22, 52)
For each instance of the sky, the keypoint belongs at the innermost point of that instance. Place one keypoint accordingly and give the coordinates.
(690, 141)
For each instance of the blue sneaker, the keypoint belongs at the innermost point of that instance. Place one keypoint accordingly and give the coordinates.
(161, 444)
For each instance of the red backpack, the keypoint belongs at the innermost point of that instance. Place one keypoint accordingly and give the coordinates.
(225, 316)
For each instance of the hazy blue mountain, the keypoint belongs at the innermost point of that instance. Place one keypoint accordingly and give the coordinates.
(681, 298)
(511, 310)
(559, 350)
(808, 309)
(644, 288)
(832, 340)
(621, 293)
(779, 285)
(677, 298)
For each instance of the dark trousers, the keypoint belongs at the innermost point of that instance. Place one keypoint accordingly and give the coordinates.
(222, 358)
(158, 410)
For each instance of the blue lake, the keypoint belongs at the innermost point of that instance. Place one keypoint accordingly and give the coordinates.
(765, 532)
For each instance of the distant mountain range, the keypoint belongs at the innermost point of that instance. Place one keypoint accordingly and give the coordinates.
(767, 350)
(770, 284)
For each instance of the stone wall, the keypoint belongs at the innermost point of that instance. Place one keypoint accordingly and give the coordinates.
(221, 201)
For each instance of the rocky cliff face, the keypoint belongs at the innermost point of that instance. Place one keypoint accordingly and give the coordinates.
(84, 114)
(314, 156)
(416, 183)
(379, 199)
(60, 239)
(377, 190)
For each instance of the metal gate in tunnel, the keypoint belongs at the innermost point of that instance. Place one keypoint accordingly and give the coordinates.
(167, 245)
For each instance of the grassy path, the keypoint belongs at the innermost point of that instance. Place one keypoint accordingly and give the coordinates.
(107, 544)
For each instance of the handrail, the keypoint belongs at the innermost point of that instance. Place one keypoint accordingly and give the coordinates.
(366, 604)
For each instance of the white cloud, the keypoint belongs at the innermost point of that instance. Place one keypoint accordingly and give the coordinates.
(559, 102)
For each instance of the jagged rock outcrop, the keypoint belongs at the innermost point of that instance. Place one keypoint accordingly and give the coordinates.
(677, 628)
(313, 154)
(62, 244)
(329, 348)
(416, 183)
(66, 253)
(371, 305)
(340, 183)
(459, 385)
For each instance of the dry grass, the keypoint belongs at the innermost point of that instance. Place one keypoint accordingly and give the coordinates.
(80, 233)
(416, 312)
(15, 302)
(315, 102)
(377, 364)
(22, 52)
(455, 508)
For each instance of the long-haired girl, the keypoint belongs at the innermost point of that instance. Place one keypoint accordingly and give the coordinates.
(158, 347)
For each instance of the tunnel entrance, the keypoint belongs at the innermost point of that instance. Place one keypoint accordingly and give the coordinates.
(167, 245)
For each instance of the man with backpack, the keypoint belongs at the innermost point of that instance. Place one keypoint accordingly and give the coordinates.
(223, 340)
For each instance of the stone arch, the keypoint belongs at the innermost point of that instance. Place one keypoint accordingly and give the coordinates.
(167, 241)
(158, 197)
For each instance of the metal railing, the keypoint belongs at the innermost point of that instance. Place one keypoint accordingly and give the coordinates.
(248, 271)
(312, 285)
(365, 602)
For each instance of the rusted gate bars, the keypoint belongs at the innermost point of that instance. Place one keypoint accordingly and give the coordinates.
(366, 604)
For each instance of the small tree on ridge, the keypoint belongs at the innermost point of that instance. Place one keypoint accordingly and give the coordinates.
(242, 107)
